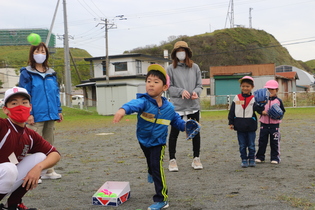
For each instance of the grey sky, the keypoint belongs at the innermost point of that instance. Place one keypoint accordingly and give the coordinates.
(150, 22)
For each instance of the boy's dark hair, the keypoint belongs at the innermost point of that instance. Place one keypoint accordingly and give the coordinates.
(158, 74)
(248, 81)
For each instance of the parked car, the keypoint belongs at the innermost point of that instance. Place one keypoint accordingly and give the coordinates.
(77, 100)
(1, 102)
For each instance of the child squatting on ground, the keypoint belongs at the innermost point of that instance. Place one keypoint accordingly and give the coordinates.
(155, 114)
(24, 154)
(269, 128)
(242, 118)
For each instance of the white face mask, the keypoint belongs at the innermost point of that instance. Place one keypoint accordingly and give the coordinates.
(181, 55)
(39, 58)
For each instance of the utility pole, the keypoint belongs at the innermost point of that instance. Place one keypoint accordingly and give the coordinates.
(107, 26)
(250, 17)
(52, 25)
(68, 83)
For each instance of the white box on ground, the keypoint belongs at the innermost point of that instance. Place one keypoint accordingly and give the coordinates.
(121, 189)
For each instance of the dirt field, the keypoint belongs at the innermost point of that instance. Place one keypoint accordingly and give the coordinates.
(89, 160)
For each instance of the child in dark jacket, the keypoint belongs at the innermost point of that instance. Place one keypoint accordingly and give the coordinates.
(242, 118)
(270, 127)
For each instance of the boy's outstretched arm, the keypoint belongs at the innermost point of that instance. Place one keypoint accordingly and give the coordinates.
(119, 115)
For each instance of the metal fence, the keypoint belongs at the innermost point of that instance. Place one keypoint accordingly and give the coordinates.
(289, 99)
(223, 102)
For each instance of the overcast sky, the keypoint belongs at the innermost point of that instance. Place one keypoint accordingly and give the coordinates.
(150, 22)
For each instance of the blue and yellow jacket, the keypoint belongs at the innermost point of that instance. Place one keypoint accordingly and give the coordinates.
(153, 121)
(44, 91)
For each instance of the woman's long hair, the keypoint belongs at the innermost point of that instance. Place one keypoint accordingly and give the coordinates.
(187, 60)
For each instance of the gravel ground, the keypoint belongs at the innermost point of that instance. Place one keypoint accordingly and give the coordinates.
(89, 160)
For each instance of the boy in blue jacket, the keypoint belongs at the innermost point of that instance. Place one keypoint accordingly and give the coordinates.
(155, 114)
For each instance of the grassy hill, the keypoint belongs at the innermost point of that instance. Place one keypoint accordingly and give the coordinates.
(17, 57)
(236, 46)
(311, 64)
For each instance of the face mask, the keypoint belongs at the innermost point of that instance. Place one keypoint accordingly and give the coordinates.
(181, 55)
(19, 113)
(39, 58)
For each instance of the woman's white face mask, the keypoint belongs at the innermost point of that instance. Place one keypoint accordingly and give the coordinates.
(181, 55)
(39, 58)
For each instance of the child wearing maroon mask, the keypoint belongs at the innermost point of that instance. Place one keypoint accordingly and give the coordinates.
(24, 154)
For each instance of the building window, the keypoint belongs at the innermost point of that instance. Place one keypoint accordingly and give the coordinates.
(120, 66)
(104, 67)
(208, 92)
(138, 67)
(13, 33)
(284, 69)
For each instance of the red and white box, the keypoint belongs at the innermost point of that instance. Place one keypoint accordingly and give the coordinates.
(121, 189)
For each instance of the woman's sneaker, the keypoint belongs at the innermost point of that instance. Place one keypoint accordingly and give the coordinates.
(173, 166)
(159, 205)
(259, 161)
(52, 175)
(196, 164)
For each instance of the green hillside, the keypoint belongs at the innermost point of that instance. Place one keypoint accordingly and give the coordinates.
(236, 46)
(311, 64)
(17, 56)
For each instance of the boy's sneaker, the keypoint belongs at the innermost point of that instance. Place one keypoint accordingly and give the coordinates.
(20, 206)
(252, 163)
(173, 166)
(259, 161)
(159, 205)
(150, 178)
(52, 175)
(274, 162)
(244, 163)
(196, 164)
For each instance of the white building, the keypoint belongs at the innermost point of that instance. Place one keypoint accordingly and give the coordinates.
(126, 77)
(305, 80)
(9, 79)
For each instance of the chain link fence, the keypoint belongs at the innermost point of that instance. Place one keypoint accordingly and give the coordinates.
(289, 99)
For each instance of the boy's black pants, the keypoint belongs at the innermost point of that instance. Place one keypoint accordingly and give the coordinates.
(269, 131)
(154, 156)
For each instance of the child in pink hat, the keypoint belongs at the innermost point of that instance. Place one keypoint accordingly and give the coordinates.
(269, 127)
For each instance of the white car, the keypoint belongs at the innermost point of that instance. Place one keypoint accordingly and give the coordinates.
(1, 102)
(77, 100)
